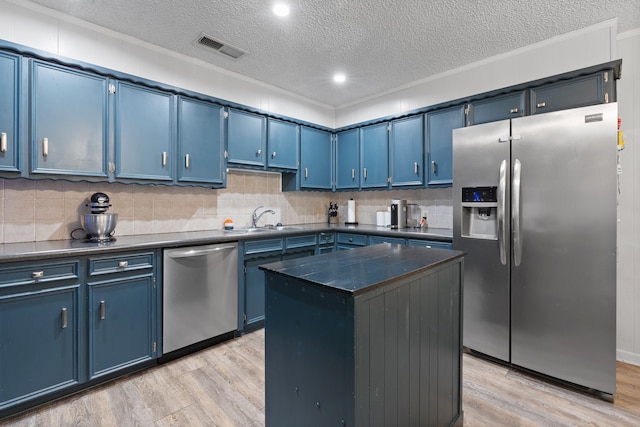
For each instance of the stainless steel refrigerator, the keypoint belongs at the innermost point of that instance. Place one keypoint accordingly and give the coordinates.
(534, 207)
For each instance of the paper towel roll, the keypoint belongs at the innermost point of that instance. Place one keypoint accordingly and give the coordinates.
(351, 211)
(380, 219)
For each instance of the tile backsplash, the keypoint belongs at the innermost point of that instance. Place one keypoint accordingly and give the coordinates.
(39, 210)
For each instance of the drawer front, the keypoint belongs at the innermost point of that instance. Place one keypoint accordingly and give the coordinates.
(327, 238)
(301, 241)
(430, 244)
(374, 240)
(352, 239)
(266, 245)
(120, 263)
(39, 273)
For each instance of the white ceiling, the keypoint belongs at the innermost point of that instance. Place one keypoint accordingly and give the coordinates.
(378, 44)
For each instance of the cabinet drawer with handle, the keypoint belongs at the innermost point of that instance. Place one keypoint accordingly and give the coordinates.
(352, 239)
(39, 273)
(120, 263)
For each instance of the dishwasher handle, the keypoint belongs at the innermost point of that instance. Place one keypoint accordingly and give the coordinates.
(188, 253)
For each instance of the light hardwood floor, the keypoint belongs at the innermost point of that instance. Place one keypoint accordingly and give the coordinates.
(224, 386)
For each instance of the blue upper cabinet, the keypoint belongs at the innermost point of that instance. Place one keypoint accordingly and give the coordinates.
(144, 133)
(68, 121)
(407, 152)
(579, 92)
(9, 111)
(440, 124)
(315, 159)
(200, 142)
(374, 154)
(497, 108)
(348, 159)
(246, 138)
(282, 144)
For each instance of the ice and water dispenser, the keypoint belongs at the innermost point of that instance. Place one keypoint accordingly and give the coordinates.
(479, 209)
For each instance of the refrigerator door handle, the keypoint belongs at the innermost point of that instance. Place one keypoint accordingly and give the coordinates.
(502, 230)
(515, 209)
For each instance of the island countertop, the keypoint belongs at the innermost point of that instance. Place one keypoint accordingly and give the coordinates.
(363, 269)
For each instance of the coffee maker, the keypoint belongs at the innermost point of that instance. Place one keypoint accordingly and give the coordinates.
(398, 213)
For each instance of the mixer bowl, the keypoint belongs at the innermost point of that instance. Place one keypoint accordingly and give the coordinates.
(99, 226)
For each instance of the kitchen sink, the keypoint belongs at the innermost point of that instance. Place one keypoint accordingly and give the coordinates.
(251, 230)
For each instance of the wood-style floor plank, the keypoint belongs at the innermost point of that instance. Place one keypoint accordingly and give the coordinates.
(224, 386)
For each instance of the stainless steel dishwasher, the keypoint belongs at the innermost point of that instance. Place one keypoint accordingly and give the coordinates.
(200, 294)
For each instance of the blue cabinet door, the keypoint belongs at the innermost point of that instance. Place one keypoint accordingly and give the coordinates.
(246, 138)
(9, 111)
(315, 158)
(144, 133)
(579, 92)
(254, 288)
(374, 155)
(348, 159)
(38, 343)
(282, 144)
(407, 151)
(200, 142)
(68, 121)
(440, 125)
(497, 108)
(121, 327)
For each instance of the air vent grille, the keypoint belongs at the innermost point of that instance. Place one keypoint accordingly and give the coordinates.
(220, 47)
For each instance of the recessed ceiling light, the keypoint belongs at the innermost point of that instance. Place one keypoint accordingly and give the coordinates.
(281, 9)
(339, 78)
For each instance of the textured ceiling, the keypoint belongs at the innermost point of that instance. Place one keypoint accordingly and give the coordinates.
(378, 44)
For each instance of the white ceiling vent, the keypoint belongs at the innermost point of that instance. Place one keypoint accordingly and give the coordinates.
(220, 47)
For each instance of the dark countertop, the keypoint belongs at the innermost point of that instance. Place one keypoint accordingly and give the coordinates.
(369, 267)
(12, 252)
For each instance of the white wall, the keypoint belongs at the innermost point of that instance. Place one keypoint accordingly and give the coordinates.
(26, 24)
(628, 337)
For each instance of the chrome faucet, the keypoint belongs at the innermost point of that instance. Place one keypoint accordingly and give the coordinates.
(255, 217)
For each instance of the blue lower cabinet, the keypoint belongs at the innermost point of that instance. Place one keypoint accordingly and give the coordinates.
(430, 244)
(375, 240)
(254, 289)
(38, 343)
(121, 327)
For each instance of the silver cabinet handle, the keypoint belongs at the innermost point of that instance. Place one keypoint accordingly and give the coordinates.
(64, 318)
(502, 231)
(306, 172)
(541, 104)
(103, 310)
(164, 158)
(350, 239)
(37, 275)
(3, 142)
(514, 110)
(515, 212)
(415, 168)
(45, 147)
(273, 155)
(123, 264)
(434, 168)
(259, 152)
(353, 174)
(364, 173)
(186, 160)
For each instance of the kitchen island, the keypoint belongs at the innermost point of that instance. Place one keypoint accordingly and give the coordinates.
(365, 337)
